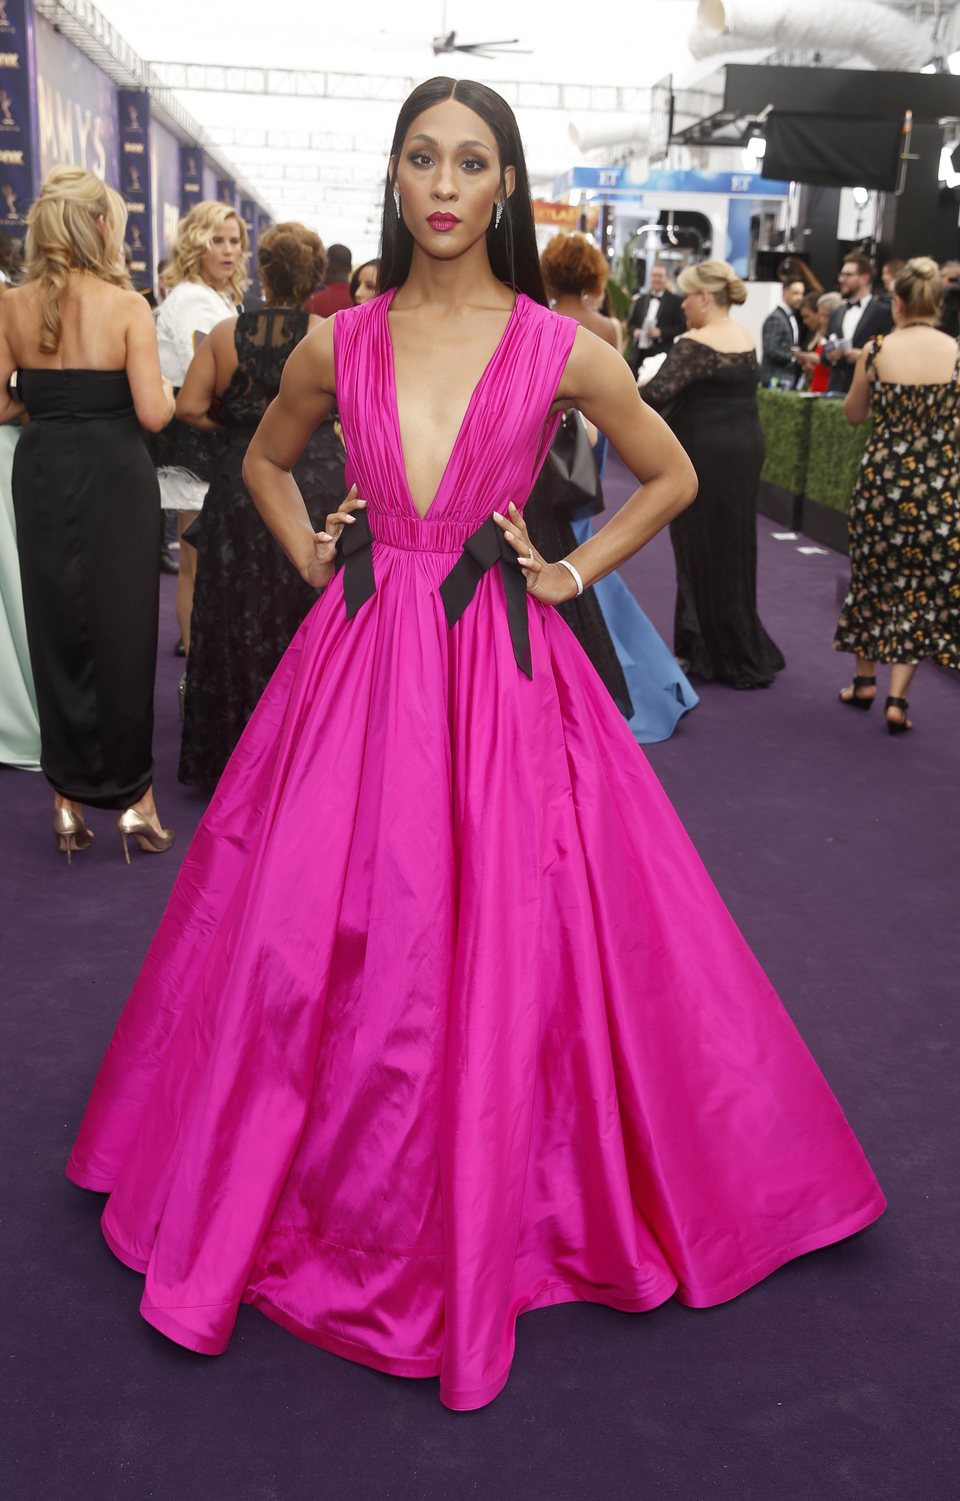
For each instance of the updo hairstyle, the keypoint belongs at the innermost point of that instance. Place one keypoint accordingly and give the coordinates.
(64, 234)
(718, 279)
(292, 261)
(573, 264)
(920, 286)
(195, 236)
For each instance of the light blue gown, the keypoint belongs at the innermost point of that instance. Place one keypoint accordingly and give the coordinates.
(19, 727)
(659, 691)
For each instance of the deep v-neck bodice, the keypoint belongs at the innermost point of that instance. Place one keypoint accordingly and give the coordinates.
(501, 441)
(476, 395)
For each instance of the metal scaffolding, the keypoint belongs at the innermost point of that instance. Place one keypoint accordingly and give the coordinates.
(310, 83)
(90, 31)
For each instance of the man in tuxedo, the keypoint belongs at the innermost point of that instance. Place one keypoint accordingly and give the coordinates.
(855, 322)
(656, 319)
(781, 336)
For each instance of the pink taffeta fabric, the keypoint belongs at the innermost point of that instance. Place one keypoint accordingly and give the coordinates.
(445, 1021)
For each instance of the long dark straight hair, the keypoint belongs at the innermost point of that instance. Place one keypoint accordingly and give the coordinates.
(513, 247)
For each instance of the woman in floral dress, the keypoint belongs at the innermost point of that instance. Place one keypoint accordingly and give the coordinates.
(903, 604)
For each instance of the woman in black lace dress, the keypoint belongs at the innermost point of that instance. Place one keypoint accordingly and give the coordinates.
(248, 601)
(707, 391)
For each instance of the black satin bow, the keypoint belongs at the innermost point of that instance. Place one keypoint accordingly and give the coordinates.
(482, 549)
(355, 557)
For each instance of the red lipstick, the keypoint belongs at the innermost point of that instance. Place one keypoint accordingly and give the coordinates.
(443, 223)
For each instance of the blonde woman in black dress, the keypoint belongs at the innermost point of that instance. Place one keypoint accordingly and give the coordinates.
(707, 391)
(82, 347)
(903, 605)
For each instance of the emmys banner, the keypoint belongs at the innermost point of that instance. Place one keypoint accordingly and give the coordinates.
(191, 178)
(133, 107)
(227, 191)
(76, 108)
(165, 181)
(19, 181)
(250, 217)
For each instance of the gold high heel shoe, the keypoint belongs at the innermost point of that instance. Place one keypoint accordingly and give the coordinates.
(133, 825)
(70, 832)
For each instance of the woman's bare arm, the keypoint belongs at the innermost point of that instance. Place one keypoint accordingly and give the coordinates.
(600, 385)
(856, 404)
(305, 398)
(199, 387)
(9, 407)
(152, 393)
(598, 382)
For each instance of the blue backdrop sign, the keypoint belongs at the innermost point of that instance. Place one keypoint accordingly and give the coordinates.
(191, 178)
(165, 178)
(227, 191)
(136, 185)
(76, 108)
(633, 180)
(18, 115)
(250, 217)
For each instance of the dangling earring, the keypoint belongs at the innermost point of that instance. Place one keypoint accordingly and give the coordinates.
(499, 214)
(396, 200)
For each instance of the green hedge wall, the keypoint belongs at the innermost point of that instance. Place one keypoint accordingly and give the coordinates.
(785, 419)
(835, 449)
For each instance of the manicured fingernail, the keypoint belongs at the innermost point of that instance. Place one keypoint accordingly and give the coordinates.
(497, 516)
(324, 536)
(513, 507)
(511, 535)
(350, 519)
(361, 502)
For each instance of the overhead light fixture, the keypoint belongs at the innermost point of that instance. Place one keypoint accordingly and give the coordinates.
(861, 197)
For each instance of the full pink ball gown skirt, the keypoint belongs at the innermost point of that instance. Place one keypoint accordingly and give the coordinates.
(445, 1020)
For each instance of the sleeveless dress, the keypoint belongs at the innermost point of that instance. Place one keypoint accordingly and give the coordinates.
(87, 506)
(903, 604)
(248, 600)
(445, 1020)
(709, 399)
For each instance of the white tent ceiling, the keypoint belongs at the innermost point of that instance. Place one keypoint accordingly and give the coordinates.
(321, 158)
(334, 180)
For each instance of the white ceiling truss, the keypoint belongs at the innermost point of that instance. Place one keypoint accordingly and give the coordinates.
(310, 83)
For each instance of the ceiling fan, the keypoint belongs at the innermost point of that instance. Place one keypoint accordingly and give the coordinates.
(449, 43)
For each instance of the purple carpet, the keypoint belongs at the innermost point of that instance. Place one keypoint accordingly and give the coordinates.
(835, 847)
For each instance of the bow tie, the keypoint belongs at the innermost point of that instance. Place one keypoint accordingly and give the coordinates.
(862, 303)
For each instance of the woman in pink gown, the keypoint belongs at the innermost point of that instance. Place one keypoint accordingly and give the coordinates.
(445, 1020)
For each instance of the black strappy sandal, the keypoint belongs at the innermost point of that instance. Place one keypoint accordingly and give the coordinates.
(855, 701)
(897, 726)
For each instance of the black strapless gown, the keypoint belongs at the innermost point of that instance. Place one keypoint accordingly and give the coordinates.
(87, 505)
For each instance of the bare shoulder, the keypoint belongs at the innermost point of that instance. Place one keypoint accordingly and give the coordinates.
(130, 305)
(592, 363)
(312, 362)
(592, 348)
(16, 300)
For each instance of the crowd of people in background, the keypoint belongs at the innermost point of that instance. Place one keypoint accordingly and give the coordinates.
(92, 367)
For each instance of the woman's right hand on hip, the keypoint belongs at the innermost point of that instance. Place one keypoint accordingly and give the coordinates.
(319, 570)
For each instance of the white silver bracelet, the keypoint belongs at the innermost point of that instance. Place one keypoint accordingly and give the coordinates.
(576, 575)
